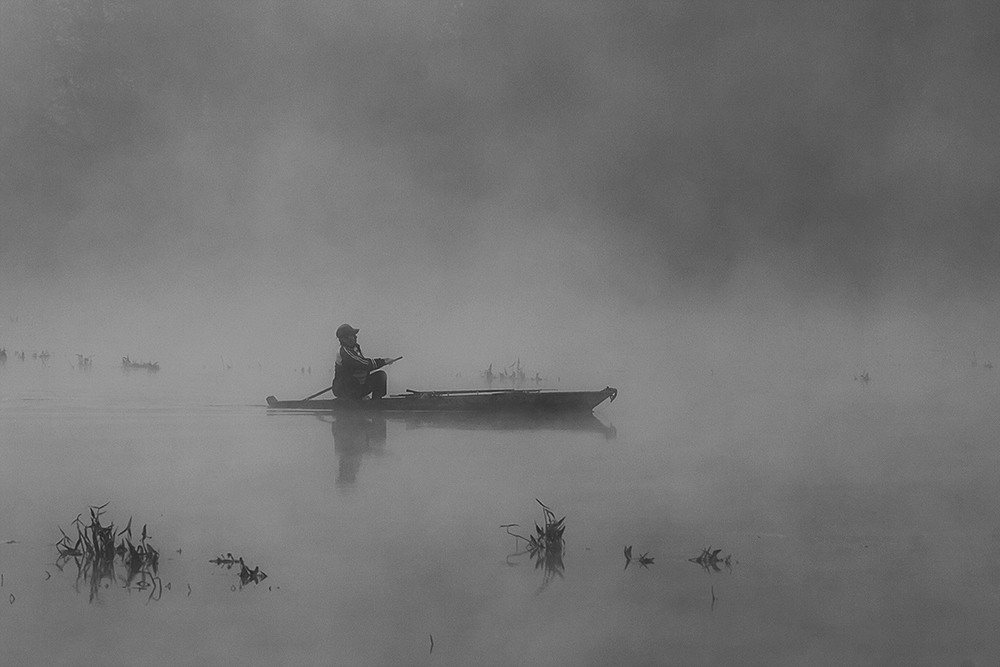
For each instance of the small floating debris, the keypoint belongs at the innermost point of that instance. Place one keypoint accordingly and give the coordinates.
(710, 560)
(644, 560)
(131, 365)
(247, 576)
(228, 561)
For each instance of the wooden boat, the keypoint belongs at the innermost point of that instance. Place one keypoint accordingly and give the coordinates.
(540, 401)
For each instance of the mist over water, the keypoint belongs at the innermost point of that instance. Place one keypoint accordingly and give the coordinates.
(484, 179)
(840, 501)
(732, 212)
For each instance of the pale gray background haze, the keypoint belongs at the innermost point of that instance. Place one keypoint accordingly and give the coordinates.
(470, 181)
(731, 211)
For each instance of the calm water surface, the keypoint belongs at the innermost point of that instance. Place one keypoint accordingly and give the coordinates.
(861, 521)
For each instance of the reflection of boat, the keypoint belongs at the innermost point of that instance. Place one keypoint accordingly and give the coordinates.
(506, 421)
(357, 434)
(534, 401)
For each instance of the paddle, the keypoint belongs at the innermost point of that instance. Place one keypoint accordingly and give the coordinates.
(388, 361)
(476, 391)
(318, 393)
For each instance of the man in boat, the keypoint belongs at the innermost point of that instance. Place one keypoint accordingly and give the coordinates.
(355, 375)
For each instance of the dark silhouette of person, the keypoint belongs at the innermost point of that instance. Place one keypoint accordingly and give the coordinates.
(355, 375)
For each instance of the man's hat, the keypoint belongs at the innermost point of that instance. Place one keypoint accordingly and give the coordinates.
(345, 330)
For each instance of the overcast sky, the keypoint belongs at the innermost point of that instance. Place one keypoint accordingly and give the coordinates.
(248, 175)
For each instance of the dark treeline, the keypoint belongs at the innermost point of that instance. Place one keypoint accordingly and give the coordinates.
(851, 135)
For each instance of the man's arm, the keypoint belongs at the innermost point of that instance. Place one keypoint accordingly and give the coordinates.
(354, 360)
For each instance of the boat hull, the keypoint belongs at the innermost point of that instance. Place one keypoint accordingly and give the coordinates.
(500, 401)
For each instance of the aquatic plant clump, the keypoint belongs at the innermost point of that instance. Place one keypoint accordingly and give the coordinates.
(546, 546)
(97, 547)
(97, 541)
(550, 538)
(547, 539)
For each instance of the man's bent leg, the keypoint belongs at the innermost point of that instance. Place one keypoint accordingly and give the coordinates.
(377, 384)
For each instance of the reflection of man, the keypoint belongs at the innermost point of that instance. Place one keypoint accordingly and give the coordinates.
(353, 437)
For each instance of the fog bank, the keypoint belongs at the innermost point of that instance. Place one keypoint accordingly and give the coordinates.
(474, 182)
